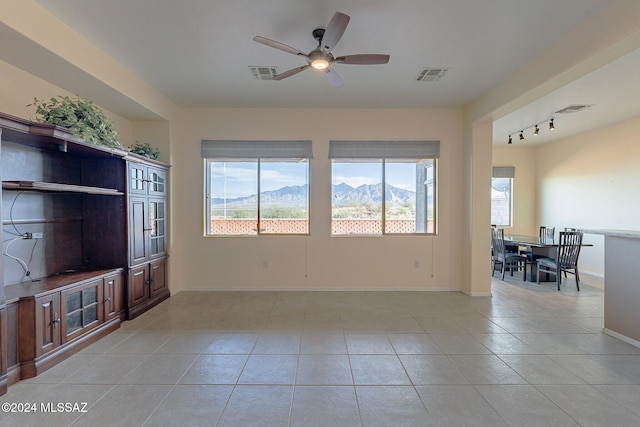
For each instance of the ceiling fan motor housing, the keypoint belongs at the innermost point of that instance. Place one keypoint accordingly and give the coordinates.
(318, 34)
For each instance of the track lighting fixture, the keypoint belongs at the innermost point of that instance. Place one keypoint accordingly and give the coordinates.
(535, 127)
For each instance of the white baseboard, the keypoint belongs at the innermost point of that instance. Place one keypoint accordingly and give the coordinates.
(621, 337)
(253, 289)
(477, 294)
(591, 273)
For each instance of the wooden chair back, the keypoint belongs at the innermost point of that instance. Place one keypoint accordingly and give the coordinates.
(547, 234)
(497, 242)
(569, 249)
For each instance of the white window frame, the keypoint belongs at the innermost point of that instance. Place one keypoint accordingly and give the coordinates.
(253, 151)
(503, 172)
(383, 151)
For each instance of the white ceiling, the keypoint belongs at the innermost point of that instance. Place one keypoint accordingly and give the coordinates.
(197, 53)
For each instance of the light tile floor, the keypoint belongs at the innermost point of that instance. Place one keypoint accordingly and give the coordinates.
(528, 356)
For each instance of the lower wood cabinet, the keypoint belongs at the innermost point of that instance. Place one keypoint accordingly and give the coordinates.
(147, 286)
(46, 310)
(4, 376)
(59, 316)
(113, 296)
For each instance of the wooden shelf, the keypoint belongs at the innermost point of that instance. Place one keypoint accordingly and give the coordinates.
(45, 136)
(55, 187)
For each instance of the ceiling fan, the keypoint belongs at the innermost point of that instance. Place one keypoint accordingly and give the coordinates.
(321, 58)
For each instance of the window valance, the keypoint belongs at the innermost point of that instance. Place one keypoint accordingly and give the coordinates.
(384, 149)
(225, 149)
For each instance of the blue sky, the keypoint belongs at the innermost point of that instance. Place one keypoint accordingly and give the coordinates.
(241, 176)
(401, 175)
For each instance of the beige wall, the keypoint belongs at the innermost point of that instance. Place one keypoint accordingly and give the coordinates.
(474, 251)
(18, 88)
(318, 261)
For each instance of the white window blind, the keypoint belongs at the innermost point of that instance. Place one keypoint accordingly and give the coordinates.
(225, 149)
(384, 149)
(503, 172)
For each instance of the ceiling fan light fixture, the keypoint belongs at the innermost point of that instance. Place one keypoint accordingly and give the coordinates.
(321, 58)
(320, 64)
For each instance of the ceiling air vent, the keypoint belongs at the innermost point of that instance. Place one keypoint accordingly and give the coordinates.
(431, 74)
(573, 108)
(263, 73)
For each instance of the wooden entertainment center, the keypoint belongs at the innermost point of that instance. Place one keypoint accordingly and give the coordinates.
(88, 228)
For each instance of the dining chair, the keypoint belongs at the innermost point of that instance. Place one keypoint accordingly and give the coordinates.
(546, 235)
(506, 259)
(570, 229)
(566, 259)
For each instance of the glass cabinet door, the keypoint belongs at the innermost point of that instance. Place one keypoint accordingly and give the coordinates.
(137, 179)
(74, 312)
(80, 309)
(90, 306)
(157, 224)
(157, 182)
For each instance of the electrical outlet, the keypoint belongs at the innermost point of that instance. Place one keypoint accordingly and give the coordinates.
(265, 264)
(416, 264)
(28, 236)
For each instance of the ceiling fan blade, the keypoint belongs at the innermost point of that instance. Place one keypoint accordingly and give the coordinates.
(333, 78)
(334, 31)
(278, 45)
(290, 73)
(363, 59)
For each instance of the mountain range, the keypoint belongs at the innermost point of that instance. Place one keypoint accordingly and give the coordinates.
(342, 193)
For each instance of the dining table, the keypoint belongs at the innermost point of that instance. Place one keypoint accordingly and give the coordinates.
(535, 249)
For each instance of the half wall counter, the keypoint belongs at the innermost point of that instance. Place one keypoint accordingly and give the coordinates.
(621, 284)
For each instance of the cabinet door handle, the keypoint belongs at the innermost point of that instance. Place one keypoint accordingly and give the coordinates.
(107, 299)
(56, 320)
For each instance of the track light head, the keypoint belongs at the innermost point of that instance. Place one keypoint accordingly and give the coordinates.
(535, 127)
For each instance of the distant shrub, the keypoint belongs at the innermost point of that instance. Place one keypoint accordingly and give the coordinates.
(283, 212)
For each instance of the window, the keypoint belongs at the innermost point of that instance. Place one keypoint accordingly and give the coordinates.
(502, 195)
(256, 187)
(383, 187)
